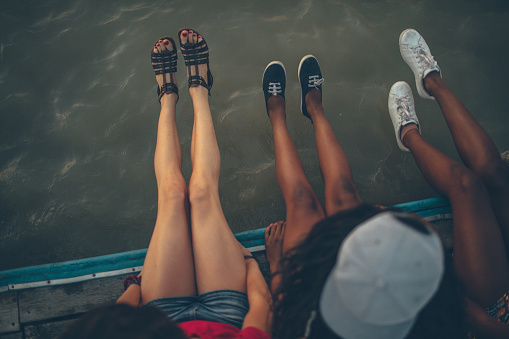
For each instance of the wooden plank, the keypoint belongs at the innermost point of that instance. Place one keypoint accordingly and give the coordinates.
(9, 320)
(58, 301)
(74, 268)
(14, 335)
(49, 330)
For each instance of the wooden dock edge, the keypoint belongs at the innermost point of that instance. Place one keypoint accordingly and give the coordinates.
(41, 301)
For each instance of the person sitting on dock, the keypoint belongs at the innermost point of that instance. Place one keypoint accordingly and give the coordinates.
(344, 269)
(195, 270)
(478, 191)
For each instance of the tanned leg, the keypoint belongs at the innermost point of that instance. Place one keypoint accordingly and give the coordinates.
(479, 252)
(475, 148)
(303, 209)
(340, 191)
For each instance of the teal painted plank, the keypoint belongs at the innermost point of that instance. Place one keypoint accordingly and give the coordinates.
(112, 262)
(73, 268)
(105, 263)
(420, 205)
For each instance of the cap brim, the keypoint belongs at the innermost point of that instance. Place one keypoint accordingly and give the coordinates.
(347, 325)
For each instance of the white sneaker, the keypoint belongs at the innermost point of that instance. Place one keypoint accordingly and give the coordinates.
(402, 110)
(417, 55)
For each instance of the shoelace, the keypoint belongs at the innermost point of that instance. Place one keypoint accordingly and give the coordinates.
(424, 59)
(314, 81)
(275, 88)
(404, 108)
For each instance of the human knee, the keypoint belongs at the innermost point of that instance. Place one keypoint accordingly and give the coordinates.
(172, 190)
(343, 194)
(464, 180)
(303, 197)
(496, 177)
(201, 191)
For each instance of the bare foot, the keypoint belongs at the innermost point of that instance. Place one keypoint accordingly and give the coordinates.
(164, 47)
(274, 235)
(190, 38)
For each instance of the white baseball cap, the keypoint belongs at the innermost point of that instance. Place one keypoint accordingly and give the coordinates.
(385, 273)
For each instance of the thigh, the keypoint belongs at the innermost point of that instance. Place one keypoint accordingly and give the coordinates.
(219, 263)
(299, 222)
(479, 250)
(168, 270)
(498, 189)
(340, 194)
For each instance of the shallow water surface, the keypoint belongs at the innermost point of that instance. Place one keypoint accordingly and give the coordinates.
(78, 107)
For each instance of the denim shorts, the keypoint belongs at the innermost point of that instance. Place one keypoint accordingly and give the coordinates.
(222, 306)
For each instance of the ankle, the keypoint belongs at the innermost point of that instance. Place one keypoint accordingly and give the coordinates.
(313, 101)
(275, 102)
(196, 90)
(169, 100)
(432, 82)
(406, 133)
(277, 115)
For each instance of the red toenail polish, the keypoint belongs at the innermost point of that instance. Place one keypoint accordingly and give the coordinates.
(166, 42)
(184, 34)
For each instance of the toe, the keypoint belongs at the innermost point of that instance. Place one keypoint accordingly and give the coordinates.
(165, 45)
(160, 46)
(184, 35)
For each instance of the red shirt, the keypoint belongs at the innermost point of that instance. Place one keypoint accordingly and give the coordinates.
(212, 330)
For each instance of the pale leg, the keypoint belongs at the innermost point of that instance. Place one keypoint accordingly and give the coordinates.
(219, 263)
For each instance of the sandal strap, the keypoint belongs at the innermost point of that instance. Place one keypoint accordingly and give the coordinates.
(198, 80)
(168, 87)
(194, 55)
(164, 62)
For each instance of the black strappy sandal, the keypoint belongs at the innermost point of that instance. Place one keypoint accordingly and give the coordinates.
(196, 54)
(166, 62)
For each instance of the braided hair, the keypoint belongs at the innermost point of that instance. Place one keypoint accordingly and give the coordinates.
(305, 268)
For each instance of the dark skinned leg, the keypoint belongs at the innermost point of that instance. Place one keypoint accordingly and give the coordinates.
(475, 148)
(479, 251)
(303, 209)
(340, 191)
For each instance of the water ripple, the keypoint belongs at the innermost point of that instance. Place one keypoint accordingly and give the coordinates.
(229, 110)
(251, 91)
(12, 166)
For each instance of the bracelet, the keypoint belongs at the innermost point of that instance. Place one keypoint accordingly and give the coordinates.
(131, 279)
(248, 257)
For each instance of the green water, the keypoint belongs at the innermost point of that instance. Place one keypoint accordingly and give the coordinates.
(78, 107)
